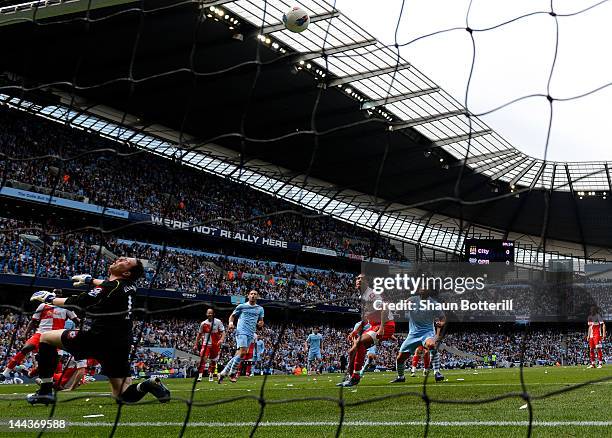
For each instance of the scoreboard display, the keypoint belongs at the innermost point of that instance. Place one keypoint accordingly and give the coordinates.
(486, 251)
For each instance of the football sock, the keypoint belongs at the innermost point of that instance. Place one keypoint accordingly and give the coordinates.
(232, 366)
(365, 365)
(359, 359)
(415, 361)
(47, 362)
(351, 363)
(426, 360)
(400, 365)
(435, 360)
(15, 360)
(132, 394)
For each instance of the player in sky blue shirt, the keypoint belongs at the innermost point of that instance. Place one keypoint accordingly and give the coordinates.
(260, 347)
(250, 317)
(424, 324)
(258, 354)
(313, 345)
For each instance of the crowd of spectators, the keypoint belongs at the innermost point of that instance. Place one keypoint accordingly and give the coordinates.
(284, 353)
(543, 346)
(155, 185)
(64, 255)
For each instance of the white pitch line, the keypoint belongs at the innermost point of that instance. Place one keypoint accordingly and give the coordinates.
(346, 424)
(430, 384)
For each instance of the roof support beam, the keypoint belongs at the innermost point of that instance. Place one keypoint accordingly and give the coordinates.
(608, 175)
(549, 198)
(576, 211)
(313, 19)
(462, 137)
(335, 50)
(208, 3)
(367, 74)
(425, 227)
(475, 159)
(504, 170)
(538, 175)
(497, 162)
(522, 173)
(517, 212)
(397, 98)
(426, 119)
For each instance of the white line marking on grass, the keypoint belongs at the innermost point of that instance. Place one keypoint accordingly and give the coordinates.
(346, 423)
(430, 384)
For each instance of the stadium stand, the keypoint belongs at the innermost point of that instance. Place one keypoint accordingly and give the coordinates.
(186, 270)
(95, 175)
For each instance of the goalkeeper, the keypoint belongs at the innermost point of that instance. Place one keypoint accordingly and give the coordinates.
(109, 340)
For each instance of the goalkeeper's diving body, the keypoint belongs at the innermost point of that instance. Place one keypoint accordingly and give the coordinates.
(109, 340)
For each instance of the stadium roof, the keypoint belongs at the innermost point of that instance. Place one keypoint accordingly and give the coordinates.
(384, 130)
(387, 82)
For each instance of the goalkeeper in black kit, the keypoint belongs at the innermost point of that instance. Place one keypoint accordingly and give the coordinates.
(109, 340)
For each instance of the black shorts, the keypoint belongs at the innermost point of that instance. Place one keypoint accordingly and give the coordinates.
(110, 349)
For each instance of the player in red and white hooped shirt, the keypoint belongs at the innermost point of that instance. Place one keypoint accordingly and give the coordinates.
(45, 318)
(382, 328)
(595, 335)
(212, 336)
(71, 375)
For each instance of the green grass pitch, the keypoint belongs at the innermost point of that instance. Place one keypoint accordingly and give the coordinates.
(581, 412)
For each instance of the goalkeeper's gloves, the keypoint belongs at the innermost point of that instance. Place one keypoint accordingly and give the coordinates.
(81, 280)
(43, 296)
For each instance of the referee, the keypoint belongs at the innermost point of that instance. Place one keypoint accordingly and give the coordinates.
(109, 340)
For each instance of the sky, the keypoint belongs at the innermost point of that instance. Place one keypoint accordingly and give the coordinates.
(512, 61)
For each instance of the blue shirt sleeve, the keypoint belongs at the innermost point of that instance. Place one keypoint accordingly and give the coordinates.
(261, 313)
(238, 310)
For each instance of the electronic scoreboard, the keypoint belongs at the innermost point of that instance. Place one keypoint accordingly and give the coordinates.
(485, 251)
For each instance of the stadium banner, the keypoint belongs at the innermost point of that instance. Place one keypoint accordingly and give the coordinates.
(216, 232)
(379, 260)
(29, 280)
(355, 257)
(164, 351)
(61, 202)
(323, 251)
(55, 283)
(483, 292)
(341, 309)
